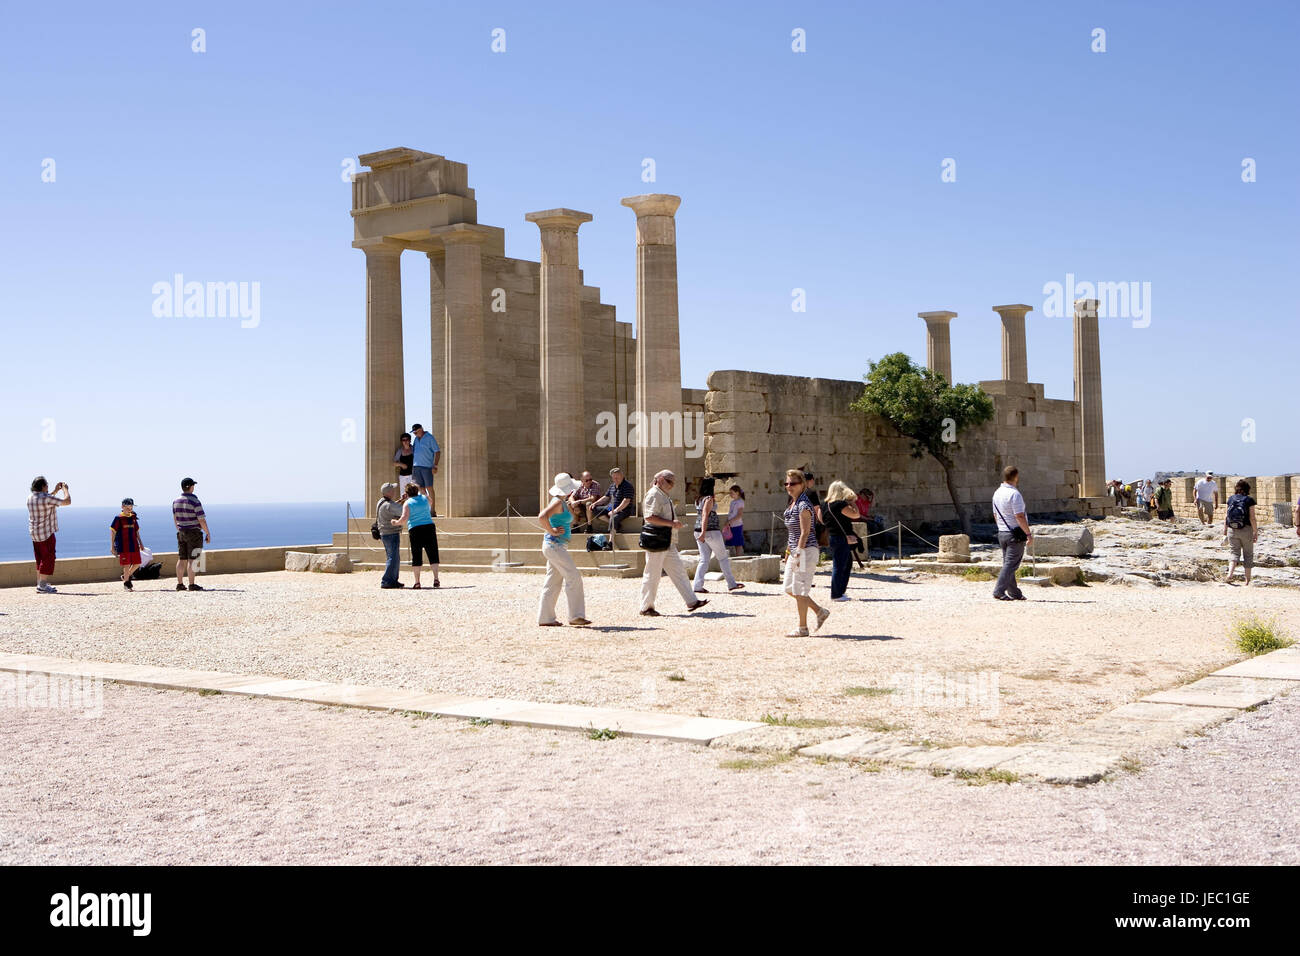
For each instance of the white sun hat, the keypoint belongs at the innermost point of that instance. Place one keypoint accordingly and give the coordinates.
(564, 485)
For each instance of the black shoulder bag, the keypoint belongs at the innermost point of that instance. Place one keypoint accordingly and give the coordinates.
(1017, 532)
(656, 537)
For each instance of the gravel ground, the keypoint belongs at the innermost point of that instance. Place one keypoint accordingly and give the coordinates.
(1067, 655)
(171, 777)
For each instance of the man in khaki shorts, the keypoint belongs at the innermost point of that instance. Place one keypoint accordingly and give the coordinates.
(1207, 498)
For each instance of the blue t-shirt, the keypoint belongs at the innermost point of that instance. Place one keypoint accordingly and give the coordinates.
(424, 448)
(561, 522)
(419, 509)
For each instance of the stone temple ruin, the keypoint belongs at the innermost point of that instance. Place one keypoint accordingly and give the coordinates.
(526, 357)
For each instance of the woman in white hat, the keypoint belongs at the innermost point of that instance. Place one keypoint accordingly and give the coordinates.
(556, 520)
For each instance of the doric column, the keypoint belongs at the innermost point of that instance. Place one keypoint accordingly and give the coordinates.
(563, 436)
(1015, 355)
(938, 343)
(660, 442)
(385, 389)
(438, 363)
(1087, 392)
(464, 442)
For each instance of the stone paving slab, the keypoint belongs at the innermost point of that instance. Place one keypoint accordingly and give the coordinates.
(1280, 665)
(973, 759)
(1220, 691)
(1062, 764)
(777, 738)
(699, 730)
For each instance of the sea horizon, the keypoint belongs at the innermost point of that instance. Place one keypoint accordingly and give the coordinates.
(84, 530)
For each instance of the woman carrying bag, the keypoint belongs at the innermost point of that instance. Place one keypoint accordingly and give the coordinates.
(839, 513)
(709, 537)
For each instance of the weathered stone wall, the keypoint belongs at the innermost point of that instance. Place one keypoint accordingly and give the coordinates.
(759, 425)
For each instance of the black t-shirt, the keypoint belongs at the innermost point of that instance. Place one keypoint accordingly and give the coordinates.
(835, 520)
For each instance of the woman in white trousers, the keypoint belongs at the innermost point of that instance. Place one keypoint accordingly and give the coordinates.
(556, 520)
(709, 537)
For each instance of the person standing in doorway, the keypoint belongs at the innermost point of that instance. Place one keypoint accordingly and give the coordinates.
(124, 540)
(1207, 498)
(709, 538)
(418, 521)
(42, 522)
(660, 513)
(556, 520)
(1014, 534)
(1241, 526)
(424, 466)
(801, 561)
(191, 533)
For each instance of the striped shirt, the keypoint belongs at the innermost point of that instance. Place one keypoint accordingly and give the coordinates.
(791, 516)
(186, 511)
(42, 515)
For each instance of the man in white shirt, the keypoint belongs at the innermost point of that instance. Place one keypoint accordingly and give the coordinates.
(1009, 513)
(1207, 498)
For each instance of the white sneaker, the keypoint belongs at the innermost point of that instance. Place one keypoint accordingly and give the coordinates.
(842, 597)
(44, 588)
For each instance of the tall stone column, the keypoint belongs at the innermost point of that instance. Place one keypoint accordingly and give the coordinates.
(660, 442)
(466, 399)
(385, 388)
(563, 434)
(1087, 392)
(938, 343)
(438, 363)
(1015, 355)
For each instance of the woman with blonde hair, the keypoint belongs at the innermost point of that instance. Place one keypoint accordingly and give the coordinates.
(801, 563)
(838, 514)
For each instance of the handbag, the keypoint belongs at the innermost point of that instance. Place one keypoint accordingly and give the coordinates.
(374, 526)
(657, 537)
(1017, 532)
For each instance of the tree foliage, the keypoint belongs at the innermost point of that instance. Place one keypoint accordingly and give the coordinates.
(922, 405)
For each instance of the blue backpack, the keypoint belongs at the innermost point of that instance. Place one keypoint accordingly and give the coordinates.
(1238, 512)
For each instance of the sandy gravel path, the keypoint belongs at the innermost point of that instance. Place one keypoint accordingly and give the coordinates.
(173, 777)
(1067, 655)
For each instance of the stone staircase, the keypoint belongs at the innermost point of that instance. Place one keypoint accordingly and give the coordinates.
(503, 545)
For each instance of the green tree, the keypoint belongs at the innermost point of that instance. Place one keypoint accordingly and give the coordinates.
(922, 406)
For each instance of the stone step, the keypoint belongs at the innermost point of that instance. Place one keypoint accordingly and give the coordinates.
(494, 539)
(587, 572)
(526, 524)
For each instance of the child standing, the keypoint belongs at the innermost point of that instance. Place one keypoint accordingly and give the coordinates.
(125, 541)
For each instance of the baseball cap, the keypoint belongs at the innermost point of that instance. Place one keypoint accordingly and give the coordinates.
(187, 483)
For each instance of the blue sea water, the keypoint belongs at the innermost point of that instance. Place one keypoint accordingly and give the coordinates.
(83, 532)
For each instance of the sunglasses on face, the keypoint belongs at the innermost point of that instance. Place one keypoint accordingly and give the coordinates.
(793, 484)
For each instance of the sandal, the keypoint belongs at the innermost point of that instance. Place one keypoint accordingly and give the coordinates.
(798, 632)
(437, 583)
(415, 586)
(551, 624)
(579, 622)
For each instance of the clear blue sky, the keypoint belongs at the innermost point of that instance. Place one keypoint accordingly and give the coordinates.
(818, 170)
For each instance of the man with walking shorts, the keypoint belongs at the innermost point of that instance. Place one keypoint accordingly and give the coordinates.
(191, 534)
